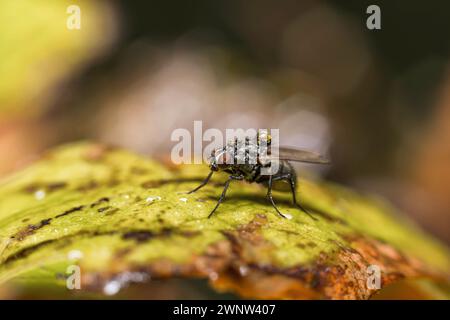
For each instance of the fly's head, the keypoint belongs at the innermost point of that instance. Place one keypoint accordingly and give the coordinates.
(213, 164)
(220, 160)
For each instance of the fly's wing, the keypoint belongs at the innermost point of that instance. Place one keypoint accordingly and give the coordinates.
(294, 154)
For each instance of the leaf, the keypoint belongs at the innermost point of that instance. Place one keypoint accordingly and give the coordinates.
(32, 66)
(123, 219)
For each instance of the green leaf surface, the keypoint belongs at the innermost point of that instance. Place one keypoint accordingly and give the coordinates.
(124, 218)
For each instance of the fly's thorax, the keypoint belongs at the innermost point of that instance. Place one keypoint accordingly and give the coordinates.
(241, 152)
(241, 155)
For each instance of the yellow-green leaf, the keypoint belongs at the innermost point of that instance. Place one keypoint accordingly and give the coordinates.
(123, 218)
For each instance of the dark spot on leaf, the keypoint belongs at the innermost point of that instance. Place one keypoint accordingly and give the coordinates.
(113, 182)
(311, 244)
(61, 276)
(138, 170)
(145, 235)
(49, 187)
(30, 229)
(103, 209)
(112, 211)
(31, 188)
(165, 232)
(62, 242)
(102, 233)
(67, 212)
(55, 186)
(88, 186)
(44, 222)
(138, 236)
(104, 199)
(27, 251)
(190, 234)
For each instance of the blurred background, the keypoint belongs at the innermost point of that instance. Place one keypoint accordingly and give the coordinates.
(376, 101)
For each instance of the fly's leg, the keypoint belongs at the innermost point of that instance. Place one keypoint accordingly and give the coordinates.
(222, 196)
(292, 183)
(203, 183)
(269, 196)
(290, 178)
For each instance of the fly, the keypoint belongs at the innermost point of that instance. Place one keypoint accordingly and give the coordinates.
(251, 171)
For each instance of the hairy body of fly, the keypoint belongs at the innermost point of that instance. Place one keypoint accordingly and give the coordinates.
(245, 161)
